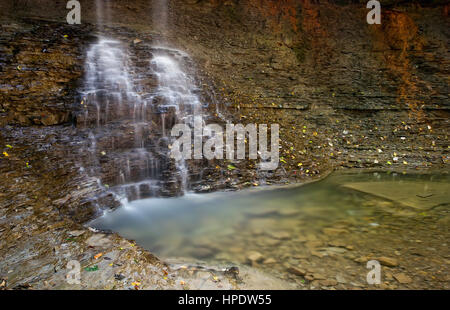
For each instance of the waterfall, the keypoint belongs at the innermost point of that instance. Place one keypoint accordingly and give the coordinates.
(103, 13)
(117, 116)
(130, 123)
(160, 15)
(176, 91)
(99, 12)
(129, 106)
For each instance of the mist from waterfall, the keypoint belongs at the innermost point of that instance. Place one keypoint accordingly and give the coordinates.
(103, 13)
(160, 16)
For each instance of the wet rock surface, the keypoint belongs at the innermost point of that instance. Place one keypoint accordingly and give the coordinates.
(41, 65)
(346, 94)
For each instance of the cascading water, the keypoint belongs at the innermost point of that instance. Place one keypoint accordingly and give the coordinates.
(117, 112)
(160, 15)
(132, 98)
(130, 123)
(103, 13)
(176, 92)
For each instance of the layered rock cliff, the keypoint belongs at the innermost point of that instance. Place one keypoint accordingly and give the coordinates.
(344, 92)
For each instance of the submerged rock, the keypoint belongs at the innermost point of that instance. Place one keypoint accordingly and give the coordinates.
(254, 257)
(296, 271)
(281, 235)
(387, 261)
(328, 282)
(402, 278)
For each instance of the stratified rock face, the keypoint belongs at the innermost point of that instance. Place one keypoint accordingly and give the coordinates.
(40, 66)
(133, 95)
(343, 91)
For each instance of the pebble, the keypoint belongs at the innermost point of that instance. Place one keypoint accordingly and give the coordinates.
(337, 243)
(319, 276)
(269, 261)
(334, 231)
(312, 245)
(297, 271)
(281, 235)
(309, 277)
(340, 279)
(271, 242)
(254, 257)
(98, 240)
(387, 261)
(328, 282)
(402, 278)
(316, 253)
(76, 233)
(362, 259)
(335, 250)
(311, 237)
(301, 239)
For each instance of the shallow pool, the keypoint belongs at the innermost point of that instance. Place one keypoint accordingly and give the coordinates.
(322, 231)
